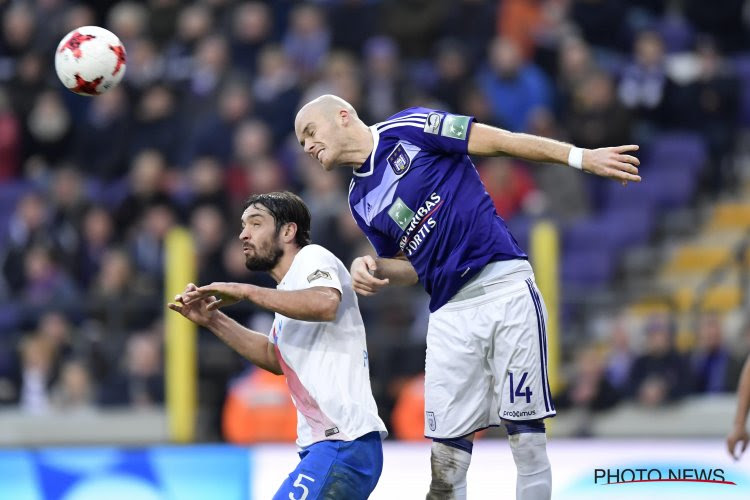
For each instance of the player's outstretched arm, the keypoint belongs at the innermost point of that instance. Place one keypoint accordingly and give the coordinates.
(612, 162)
(370, 274)
(251, 345)
(739, 429)
(318, 303)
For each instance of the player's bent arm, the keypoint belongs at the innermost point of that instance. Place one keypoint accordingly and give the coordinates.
(398, 271)
(613, 162)
(318, 303)
(253, 346)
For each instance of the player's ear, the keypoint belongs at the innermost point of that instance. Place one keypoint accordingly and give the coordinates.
(289, 232)
(344, 117)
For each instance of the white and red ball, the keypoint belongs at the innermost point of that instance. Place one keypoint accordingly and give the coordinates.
(90, 60)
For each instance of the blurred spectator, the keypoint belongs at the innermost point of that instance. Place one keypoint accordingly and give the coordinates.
(407, 419)
(129, 20)
(259, 408)
(10, 140)
(660, 374)
(307, 40)
(509, 184)
(140, 381)
(208, 227)
(213, 136)
(48, 129)
(74, 391)
(709, 104)
(644, 80)
(473, 23)
(726, 22)
(194, 22)
(452, 74)
(514, 87)
(162, 20)
(37, 360)
(713, 367)
(206, 185)
(27, 226)
(96, 235)
(147, 245)
(19, 30)
(414, 24)
(588, 387)
(119, 298)
(596, 118)
(276, 91)
(45, 282)
(383, 82)
(156, 124)
(252, 28)
(101, 137)
(619, 358)
(354, 24)
(575, 65)
(146, 183)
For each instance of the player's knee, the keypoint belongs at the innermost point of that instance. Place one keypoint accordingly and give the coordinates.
(449, 460)
(528, 443)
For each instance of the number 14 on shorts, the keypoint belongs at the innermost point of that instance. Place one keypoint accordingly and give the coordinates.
(517, 390)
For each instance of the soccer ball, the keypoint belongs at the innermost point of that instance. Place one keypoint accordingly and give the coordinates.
(90, 60)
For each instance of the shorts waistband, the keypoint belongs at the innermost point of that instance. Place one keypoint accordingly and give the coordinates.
(495, 276)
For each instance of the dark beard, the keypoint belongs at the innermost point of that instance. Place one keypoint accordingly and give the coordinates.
(264, 261)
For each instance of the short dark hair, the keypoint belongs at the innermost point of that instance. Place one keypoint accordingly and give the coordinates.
(285, 207)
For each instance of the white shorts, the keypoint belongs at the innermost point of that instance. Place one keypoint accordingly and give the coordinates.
(487, 359)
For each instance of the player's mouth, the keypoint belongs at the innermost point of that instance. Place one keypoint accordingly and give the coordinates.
(319, 155)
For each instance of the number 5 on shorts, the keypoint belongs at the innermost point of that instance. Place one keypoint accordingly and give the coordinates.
(298, 484)
(516, 393)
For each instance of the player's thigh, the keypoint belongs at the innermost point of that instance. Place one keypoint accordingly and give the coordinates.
(335, 470)
(458, 379)
(520, 358)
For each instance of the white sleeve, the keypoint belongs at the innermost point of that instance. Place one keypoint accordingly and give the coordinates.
(318, 268)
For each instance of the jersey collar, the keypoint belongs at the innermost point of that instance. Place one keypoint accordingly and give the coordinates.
(375, 139)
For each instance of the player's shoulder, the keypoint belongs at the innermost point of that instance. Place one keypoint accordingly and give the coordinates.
(314, 251)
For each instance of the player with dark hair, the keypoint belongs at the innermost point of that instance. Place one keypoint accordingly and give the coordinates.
(418, 198)
(317, 341)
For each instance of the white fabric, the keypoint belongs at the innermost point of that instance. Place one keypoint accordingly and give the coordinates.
(473, 347)
(449, 466)
(534, 478)
(575, 158)
(326, 363)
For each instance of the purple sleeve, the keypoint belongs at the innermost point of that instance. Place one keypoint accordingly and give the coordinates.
(441, 133)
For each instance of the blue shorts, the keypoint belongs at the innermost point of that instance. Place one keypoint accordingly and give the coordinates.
(336, 470)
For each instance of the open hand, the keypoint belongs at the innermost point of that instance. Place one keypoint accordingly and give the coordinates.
(198, 311)
(226, 294)
(614, 162)
(364, 281)
(737, 436)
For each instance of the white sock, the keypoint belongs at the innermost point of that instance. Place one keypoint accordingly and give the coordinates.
(449, 467)
(534, 480)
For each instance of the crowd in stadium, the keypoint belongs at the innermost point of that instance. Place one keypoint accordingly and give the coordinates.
(89, 187)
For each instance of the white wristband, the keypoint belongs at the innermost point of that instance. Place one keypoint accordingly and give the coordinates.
(575, 158)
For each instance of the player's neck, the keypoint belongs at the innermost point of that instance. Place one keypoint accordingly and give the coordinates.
(278, 272)
(359, 148)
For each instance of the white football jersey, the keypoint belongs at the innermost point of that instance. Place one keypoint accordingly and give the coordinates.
(325, 362)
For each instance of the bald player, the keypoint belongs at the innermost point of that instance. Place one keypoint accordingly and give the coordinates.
(417, 196)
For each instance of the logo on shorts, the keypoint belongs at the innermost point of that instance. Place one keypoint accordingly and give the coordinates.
(400, 213)
(455, 126)
(431, 420)
(432, 124)
(399, 160)
(318, 275)
(333, 430)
